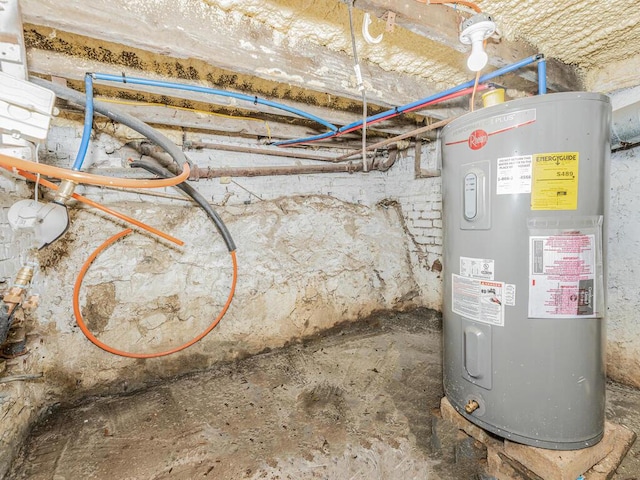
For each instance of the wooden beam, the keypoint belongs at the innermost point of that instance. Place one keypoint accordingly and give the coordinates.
(441, 24)
(73, 68)
(234, 43)
(12, 54)
(56, 64)
(171, 119)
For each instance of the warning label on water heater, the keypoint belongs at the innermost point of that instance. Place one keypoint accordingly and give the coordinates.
(562, 276)
(477, 267)
(555, 181)
(513, 175)
(479, 300)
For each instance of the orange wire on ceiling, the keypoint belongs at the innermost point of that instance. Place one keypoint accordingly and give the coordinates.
(460, 2)
(93, 339)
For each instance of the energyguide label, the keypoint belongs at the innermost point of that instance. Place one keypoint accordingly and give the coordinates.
(555, 181)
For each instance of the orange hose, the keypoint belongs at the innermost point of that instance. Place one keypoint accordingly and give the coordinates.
(107, 348)
(88, 178)
(107, 210)
(472, 100)
(459, 2)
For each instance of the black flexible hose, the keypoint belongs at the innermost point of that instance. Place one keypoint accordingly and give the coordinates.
(130, 121)
(156, 137)
(195, 195)
(5, 322)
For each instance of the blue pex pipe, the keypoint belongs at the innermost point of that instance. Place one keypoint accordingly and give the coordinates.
(212, 91)
(88, 123)
(88, 117)
(542, 76)
(399, 110)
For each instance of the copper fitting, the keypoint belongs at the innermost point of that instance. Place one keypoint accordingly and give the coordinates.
(24, 276)
(32, 302)
(471, 406)
(65, 190)
(15, 295)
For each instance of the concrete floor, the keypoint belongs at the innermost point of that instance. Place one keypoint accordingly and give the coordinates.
(355, 404)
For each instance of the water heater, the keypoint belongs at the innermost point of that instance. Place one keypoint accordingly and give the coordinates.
(525, 189)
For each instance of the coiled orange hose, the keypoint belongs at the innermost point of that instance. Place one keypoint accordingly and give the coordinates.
(91, 179)
(107, 348)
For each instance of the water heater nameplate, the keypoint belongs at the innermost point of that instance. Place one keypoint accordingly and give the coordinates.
(513, 175)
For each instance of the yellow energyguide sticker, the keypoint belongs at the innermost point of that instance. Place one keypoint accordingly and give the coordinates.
(554, 185)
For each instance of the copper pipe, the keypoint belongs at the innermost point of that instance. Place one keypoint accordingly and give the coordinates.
(412, 133)
(276, 170)
(257, 151)
(15, 295)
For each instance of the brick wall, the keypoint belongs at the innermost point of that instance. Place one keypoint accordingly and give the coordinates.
(417, 199)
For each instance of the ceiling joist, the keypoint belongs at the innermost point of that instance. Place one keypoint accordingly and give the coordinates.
(441, 24)
(236, 44)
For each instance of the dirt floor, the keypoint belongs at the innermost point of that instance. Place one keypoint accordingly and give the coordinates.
(357, 403)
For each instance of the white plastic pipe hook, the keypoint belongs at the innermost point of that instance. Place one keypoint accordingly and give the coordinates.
(365, 31)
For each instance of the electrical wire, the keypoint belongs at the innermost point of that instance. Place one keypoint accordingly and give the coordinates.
(151, 193)
(472, 100)
(37, 180)
(360, 82)
(93, 339)
(471, 5)
(107, 210)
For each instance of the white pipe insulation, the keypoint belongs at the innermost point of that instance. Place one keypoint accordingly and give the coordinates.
(625, 125)
(625, 121)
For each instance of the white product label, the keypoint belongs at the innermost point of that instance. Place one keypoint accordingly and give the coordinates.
(562, 276)
(479, 300)
(510, 295)
(477, 267)
(513, 175)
